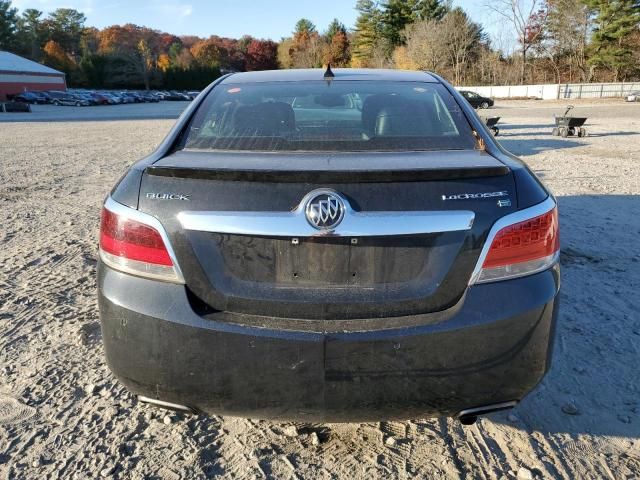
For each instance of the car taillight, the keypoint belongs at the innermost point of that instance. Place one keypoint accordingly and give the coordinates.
(131, 241)
(522, 248)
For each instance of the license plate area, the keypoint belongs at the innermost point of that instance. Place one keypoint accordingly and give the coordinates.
(325, 261)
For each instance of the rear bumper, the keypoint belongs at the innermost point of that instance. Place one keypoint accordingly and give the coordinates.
(494, 348)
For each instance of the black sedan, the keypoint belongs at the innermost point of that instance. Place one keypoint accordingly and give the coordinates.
(330, 246)
(477, 101)
(30, 97)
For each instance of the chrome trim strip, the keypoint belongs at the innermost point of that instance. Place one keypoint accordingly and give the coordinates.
(516, 217)
(127, 212)
(353, 224)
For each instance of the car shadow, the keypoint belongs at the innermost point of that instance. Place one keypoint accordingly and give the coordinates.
(593, 386)
(522, 147)
(613, 134)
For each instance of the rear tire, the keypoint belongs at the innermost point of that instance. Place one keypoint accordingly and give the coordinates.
(564, 132)
(484, 105)
(555, 132)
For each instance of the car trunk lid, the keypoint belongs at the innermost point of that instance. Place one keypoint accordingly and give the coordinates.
(403, 262)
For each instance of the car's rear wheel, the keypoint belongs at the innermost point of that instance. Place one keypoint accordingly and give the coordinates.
(484, 105)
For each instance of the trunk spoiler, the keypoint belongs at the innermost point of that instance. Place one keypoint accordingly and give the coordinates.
(331, 176)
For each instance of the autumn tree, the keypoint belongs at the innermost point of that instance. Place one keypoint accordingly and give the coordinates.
(285, 50)
(262, 55)
(219, 52)
(527, 18)
(207, 53)
(336, 51)
(402, 60)
(189, 41)
(57, 57)
(183, 59)
(306, 48)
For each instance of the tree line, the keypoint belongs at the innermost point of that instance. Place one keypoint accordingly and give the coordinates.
(127, 56)
(559, 41)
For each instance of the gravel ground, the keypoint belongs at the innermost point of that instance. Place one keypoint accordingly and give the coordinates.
(62, 415)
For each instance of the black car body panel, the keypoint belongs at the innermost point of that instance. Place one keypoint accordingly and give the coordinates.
(329, 328)
(160, 345)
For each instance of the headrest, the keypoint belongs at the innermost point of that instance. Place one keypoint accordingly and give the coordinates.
(264, 119)
(394, 115)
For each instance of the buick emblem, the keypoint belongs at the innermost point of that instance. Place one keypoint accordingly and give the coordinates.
(324, 209)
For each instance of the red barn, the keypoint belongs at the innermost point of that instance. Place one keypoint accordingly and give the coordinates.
(18, 74)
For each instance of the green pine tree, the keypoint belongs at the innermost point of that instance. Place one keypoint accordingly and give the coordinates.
(30, 33)
(8, 19)
(304, 26)
(367, 32)
(335, 27)
(615, 21)
(398, 14)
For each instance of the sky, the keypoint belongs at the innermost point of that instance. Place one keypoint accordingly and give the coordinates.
(227, 18)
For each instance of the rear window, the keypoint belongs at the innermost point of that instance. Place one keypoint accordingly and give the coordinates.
(329, 116)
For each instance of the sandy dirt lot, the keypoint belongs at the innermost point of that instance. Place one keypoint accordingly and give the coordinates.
(62, 415)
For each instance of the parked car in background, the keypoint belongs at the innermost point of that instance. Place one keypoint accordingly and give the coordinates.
(289, 252)
(476, 101)
(57, 96)
(83, 96)
(633, 97)
(149, 97)
(46, 98)
(112, 99)
(177, 96)
(162, 95)
(68, 99)
(91, 98)
(29, 97)
(102, 99)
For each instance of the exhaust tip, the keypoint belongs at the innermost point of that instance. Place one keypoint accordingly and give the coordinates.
(468, 419)
(176, 407)
(470, 415)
